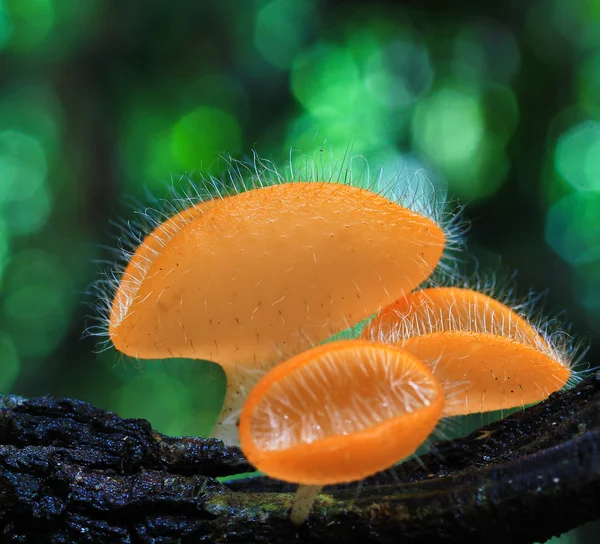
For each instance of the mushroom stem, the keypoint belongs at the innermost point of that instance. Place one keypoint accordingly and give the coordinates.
(239, 383)
(303, 502)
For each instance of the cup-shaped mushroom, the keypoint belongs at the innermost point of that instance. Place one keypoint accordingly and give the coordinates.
(339, 413)
(468, 337)
(262, 275)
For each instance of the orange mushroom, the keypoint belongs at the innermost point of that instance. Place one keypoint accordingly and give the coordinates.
(338, 413)
(467, 336)
(252, 278)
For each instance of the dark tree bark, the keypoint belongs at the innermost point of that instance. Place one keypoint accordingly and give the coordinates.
(70, 472)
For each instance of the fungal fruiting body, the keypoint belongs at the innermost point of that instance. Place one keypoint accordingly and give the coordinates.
(467, 336)
(273, 270)
(251, 278)
(339, 412)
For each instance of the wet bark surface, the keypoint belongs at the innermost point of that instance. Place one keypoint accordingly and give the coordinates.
(70, 472)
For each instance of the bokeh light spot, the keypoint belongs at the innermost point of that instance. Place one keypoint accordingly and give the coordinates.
(6, 26)
(399, 73)
(33, 111)
(25, 202)
(573, 227)
(32, 21)
(482, 176)
(577, 156)
(198, 137)
(22, 166)
(448, 126)
(29, 215)
(281, 29)
(326, 79)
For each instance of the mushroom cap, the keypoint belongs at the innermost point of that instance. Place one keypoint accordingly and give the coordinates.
(468, 337)
(339, 412)
(269, 272)
(500, 372)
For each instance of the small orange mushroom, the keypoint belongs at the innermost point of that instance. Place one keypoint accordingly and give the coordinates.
(338, 413)
(249, 279)
(467, 336)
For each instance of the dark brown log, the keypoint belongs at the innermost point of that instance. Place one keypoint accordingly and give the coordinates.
(70, 472)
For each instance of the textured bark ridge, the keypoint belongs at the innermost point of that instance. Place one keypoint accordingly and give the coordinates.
(70, 472)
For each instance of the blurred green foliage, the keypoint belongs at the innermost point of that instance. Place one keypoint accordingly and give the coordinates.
(104, 99)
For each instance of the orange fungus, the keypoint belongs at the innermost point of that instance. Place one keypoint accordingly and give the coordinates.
(339, 412)
(466, 336)
(269, 271)
(251, 279)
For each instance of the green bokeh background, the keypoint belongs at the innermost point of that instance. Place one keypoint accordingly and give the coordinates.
(104, 102)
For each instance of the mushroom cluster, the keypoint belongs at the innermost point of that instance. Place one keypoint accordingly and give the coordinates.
(256, 280)
(251, 279)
